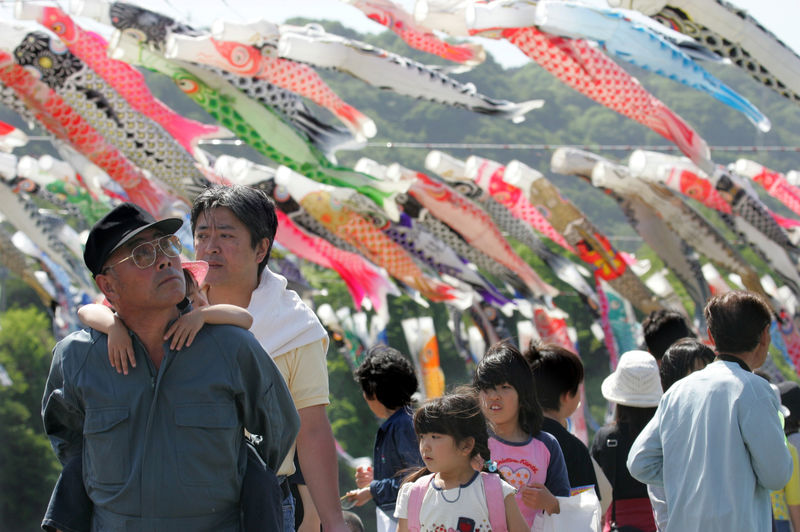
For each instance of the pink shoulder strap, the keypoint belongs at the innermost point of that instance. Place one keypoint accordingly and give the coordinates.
(493, 490)
(415, 496)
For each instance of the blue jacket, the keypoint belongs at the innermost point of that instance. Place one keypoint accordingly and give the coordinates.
(162, 450)
(396, 449)
(717, 447)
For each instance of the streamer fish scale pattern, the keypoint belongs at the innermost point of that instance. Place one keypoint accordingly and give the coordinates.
(678, 20)
(595, 75)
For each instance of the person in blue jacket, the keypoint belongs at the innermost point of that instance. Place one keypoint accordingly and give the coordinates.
(388, 381)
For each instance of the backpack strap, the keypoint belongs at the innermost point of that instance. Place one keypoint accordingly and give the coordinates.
(493, 491)
(415, 496)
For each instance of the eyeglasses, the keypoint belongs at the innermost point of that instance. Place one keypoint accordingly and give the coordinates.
(144, 255)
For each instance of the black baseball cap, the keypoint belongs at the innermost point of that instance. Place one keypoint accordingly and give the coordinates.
(113, 230)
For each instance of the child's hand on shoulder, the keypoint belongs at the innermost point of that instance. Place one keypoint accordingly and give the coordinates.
(185, 329)
(120, 347)
(538, 497)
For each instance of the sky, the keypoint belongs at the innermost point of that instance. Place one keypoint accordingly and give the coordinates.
(778, 16)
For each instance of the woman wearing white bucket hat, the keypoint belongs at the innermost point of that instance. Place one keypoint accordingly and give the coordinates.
(635, 388)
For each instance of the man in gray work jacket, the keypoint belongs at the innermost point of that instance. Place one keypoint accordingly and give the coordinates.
(162, 447)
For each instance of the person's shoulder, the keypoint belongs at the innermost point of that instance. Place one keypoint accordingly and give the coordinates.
(755, 384)
(74, 349)
(402, 421)
(568, 441)
(230, 338)
(546, 438)
(227, 331)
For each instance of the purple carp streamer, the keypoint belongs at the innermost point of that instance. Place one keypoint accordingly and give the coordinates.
(325, 204)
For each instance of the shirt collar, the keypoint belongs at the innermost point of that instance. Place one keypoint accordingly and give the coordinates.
(737, 360)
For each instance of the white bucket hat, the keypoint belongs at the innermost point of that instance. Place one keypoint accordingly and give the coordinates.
(635, 382)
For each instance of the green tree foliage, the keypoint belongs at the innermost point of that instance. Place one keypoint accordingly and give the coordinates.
(28, 468)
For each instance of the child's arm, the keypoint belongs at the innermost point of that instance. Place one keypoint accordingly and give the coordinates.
(402, 524)
(223, 314)
(538, 497)
(105, 320)
(514, 519)
(188, 325)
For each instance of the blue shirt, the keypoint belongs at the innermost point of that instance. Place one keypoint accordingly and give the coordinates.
(162, 449)
(396, 449)
(717, 447)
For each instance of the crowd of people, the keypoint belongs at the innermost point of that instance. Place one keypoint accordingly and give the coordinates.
(167, 414)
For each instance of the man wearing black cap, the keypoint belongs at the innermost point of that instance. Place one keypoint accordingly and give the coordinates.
(161, 447)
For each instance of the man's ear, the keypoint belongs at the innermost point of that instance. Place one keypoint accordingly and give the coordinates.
(261, 249)
(765, 337)
(107, 286)
(710, 338)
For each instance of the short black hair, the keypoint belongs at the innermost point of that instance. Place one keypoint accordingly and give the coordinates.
(661, 328)
(556, 370)
(251, 206)
(681, 359)
(388, 376)
(504, 363)
(736, 320)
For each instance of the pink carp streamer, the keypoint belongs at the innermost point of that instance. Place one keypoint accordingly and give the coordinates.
(552, 327)
(11, 137)
(593, 74)
(774, 183)
(302, 79)
(696, 187)
(386, 13)
(361, 278)
(489, 176)
(373, 243)
(63, 122)
(126, 80)
(476, 227)
(701, 189)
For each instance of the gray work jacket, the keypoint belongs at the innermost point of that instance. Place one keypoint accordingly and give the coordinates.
(162, 450)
